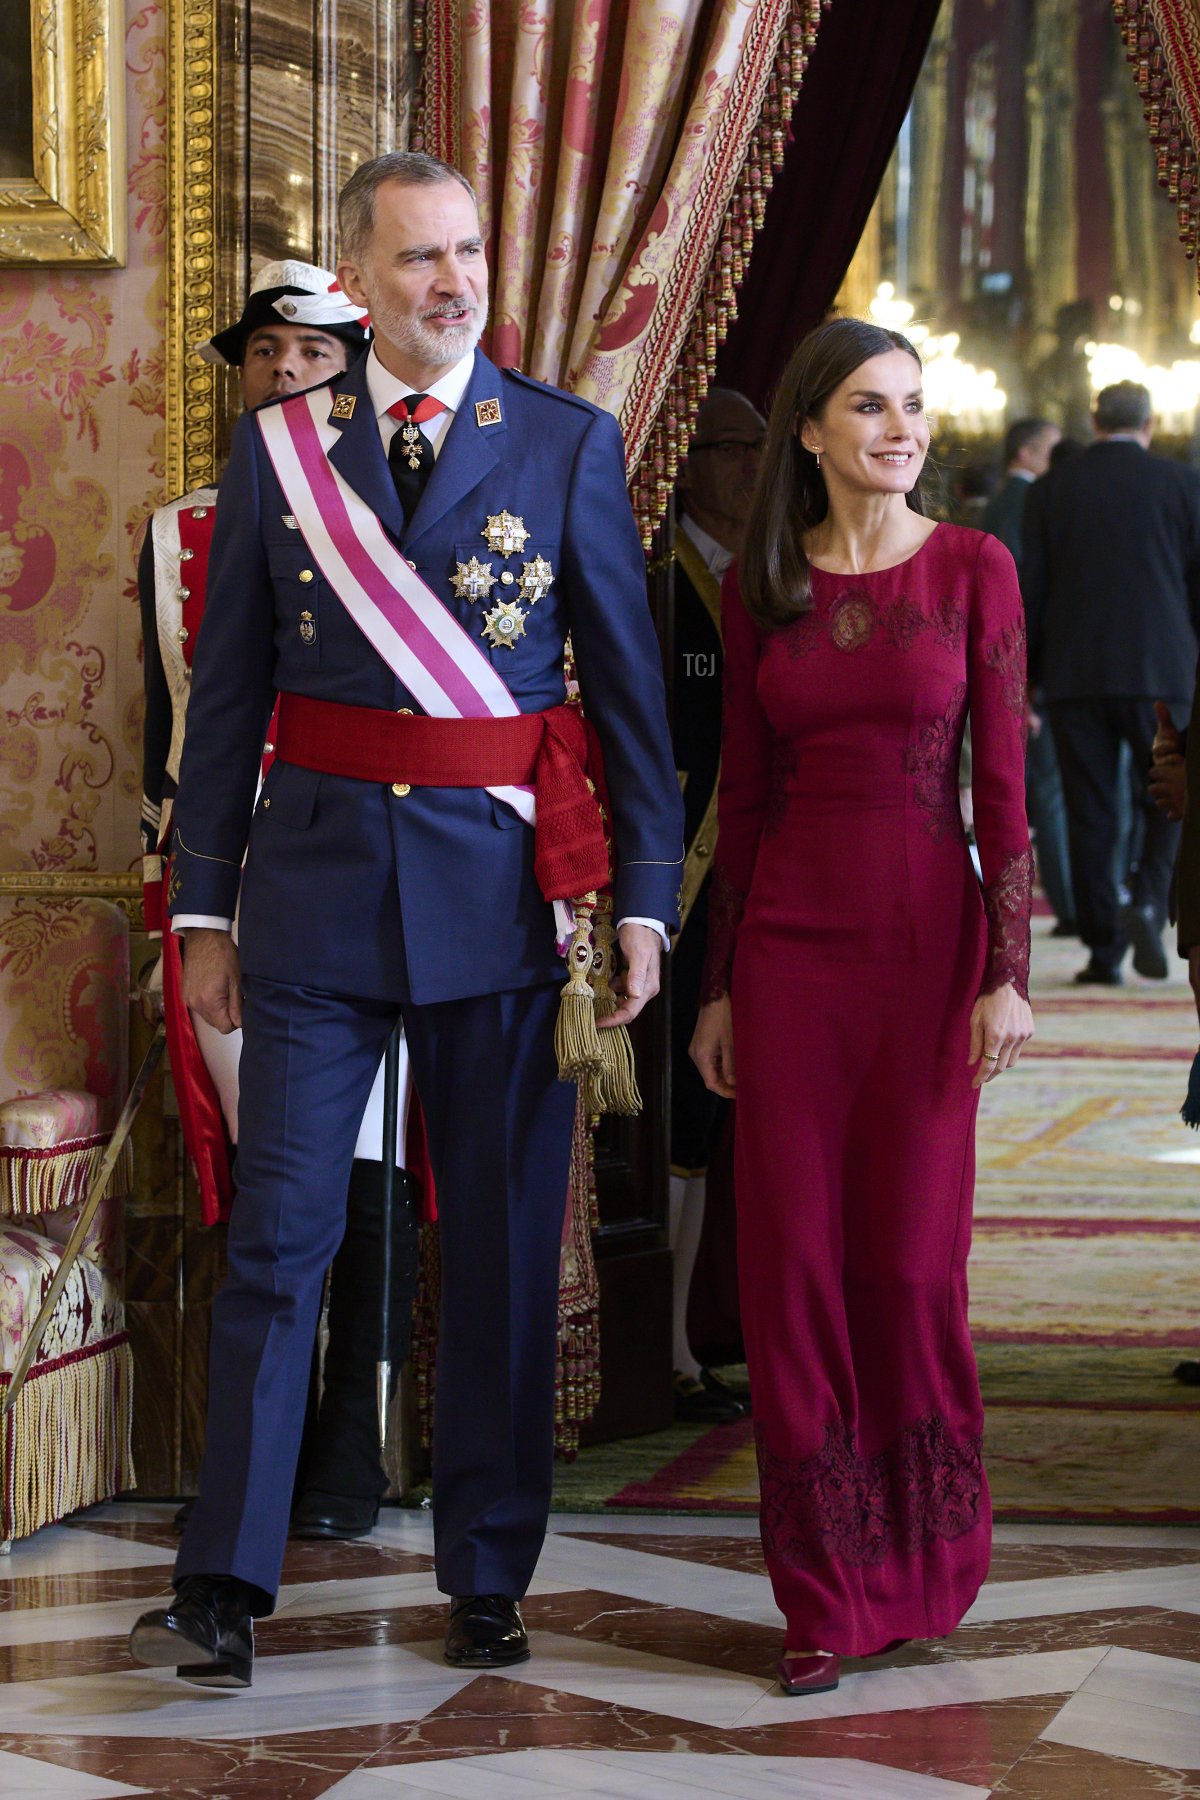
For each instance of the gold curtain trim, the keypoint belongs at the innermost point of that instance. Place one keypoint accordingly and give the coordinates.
(1162, 43)
(674, 375)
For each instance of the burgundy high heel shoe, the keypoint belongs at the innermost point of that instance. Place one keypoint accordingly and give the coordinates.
(811, 1672)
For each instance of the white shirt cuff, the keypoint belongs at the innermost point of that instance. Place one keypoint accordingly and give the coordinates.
(654, 924)
(205, 921)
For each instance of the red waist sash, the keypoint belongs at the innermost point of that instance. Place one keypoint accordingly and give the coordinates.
(557, 752)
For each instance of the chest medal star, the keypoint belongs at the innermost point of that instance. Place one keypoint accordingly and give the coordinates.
(506, 535)
(473, 580)
(504, 625)
(536, 577)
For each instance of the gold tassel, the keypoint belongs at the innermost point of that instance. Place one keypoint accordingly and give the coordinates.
(612, 1087)
(576, 1040)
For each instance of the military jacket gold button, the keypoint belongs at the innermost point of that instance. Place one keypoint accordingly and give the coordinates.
(184, 634)
(410, 562)
(185, 593)
(266, 801)
(400, 788)
(186, 555)
(199, 512)
(305, 575)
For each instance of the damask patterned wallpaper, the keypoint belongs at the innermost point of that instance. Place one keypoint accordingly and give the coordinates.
(81, 464)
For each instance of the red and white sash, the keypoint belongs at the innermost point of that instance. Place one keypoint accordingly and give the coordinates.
(399, 614)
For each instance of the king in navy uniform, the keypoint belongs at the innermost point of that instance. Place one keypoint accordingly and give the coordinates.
(391, 871)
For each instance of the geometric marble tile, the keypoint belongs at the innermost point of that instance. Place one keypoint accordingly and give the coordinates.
(1176, 1587)
(617, 1676)
(332, 1690)
(660, 1580)
(642, 1775)
(65, 1550)
(24, 1778)
(915, 1687)
(1136, 1705)
(302, 1600)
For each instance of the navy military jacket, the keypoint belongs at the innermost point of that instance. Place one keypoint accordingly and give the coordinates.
(427, 895)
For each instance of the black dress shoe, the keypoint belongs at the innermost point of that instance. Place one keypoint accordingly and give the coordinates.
(714, 1382)
(1065, 928)
(1188, 1372)
(1145, 934)
(486, 1631)
(206, 1634)
(317, 1515)
(1099, 974)
(695, 1404)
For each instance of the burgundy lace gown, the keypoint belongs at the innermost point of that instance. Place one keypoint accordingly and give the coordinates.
(849, 926)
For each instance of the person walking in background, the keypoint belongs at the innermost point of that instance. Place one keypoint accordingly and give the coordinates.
(1111, 578)
(860, 989)
(1029, 446)
(715, 489)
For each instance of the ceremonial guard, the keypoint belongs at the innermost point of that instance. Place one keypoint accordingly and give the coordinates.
(402, 555)
(296, 330)
(715, 489)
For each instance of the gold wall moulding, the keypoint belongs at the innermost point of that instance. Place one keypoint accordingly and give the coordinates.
(191, 385)
(71, 208)
(123, 888)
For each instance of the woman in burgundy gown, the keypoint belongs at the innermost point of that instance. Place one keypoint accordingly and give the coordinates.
(863, 988)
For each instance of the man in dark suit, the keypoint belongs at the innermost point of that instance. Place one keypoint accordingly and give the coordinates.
(1111, 579)
(1028, 447)
(416, 539)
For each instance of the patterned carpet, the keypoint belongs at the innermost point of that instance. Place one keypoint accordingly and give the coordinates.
(1085, 1278)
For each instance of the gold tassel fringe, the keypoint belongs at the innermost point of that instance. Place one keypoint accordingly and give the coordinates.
(612, 1086)
(576, 1040)
(1171, 132)
(34, 1181)
(67, 1441)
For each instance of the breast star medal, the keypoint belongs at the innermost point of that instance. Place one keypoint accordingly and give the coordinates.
(504, 625)
(535, 580)
(473, 580)
(505, 535)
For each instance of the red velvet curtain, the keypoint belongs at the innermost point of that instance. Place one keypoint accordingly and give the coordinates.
(856, 92)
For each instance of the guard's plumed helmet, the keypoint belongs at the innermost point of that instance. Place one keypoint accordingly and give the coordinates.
(290, 293)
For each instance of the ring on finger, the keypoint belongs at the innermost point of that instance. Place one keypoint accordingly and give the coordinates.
(988, 1058)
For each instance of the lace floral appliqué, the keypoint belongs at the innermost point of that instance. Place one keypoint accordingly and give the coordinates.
(803, 635)
(1006, 657)
(861, 1510)
(1008, 903)
(933, 764)
(726, 904)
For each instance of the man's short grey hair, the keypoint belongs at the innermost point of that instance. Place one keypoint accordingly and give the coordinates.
(1125, 406)
(356, 202)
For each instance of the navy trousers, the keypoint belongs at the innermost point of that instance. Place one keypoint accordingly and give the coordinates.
(499, 1124)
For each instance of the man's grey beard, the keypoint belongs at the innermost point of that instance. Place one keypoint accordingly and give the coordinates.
(425, 343)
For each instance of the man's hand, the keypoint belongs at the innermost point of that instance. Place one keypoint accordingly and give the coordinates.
(1168, 772)
(711, 1048)
(212, 978)
(641, 951)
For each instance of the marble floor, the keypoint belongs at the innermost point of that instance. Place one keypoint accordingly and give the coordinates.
(1075, 1677)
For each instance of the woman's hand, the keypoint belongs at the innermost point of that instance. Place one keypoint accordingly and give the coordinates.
(1001, 1026)
(711, 1048)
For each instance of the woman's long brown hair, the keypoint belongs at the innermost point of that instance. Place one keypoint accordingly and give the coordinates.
(789, 496)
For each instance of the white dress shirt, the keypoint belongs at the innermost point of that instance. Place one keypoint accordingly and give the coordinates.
(717, 559)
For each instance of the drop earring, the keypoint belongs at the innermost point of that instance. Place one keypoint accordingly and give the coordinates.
(817, 454)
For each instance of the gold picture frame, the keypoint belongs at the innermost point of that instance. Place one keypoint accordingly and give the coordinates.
(71, 211)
